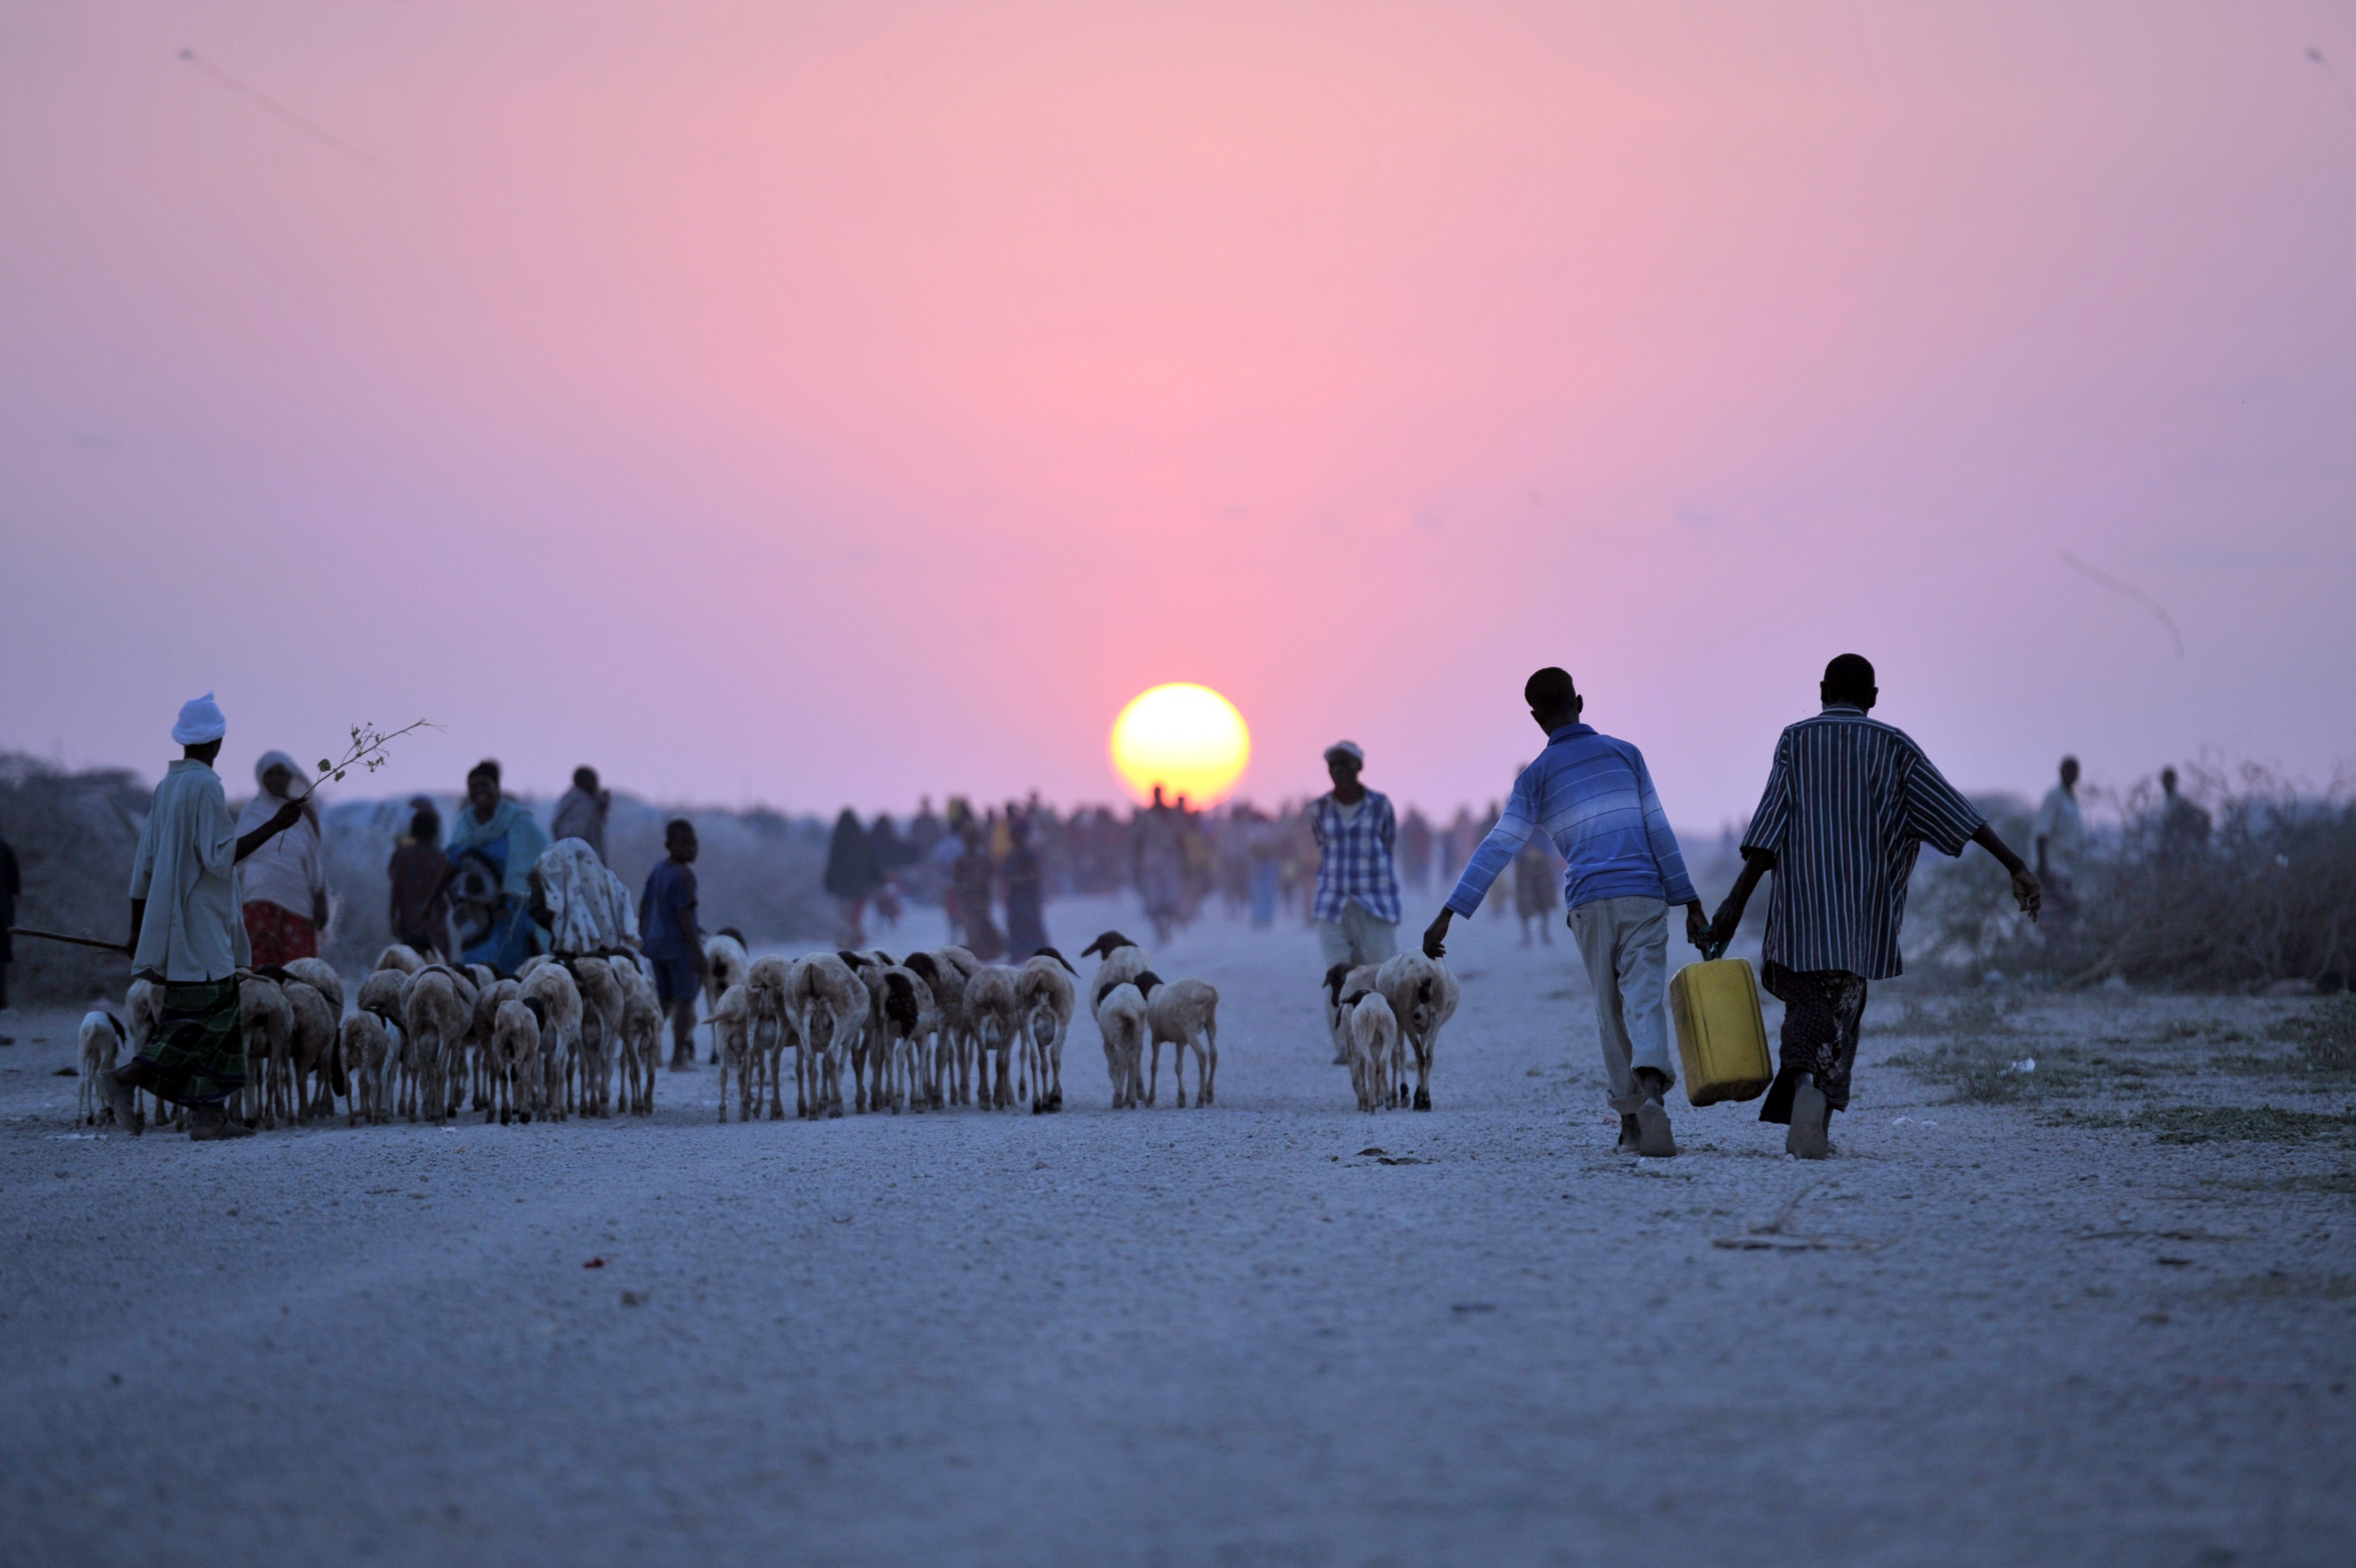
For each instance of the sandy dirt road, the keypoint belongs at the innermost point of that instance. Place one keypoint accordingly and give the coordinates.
(1984, 1334)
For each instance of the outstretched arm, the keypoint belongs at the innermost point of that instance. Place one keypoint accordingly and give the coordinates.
(2025, 889)
(288, 815)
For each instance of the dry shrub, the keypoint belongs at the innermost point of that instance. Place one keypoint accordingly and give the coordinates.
(73, 834)
(2271, 895)
(2325, 1035)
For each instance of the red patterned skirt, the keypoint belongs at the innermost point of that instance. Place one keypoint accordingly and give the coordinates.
(278, 934)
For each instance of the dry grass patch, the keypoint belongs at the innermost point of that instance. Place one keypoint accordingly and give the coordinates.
(2242, 1124)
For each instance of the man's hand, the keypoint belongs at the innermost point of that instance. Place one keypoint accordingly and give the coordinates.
(1696, 925)
(319, 912)
(288, 815)
(1435, 935)
(1720, 931)
(2025, 889)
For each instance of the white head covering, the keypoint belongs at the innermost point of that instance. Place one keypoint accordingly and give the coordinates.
(270, 759)
(1349, 748)
(201, 720)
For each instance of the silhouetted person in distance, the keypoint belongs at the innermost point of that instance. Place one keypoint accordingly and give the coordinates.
(1849, 803)
(581, 811)
(419, 876)
(2183, 827)
(1593, 796)
(2055, 842)
(672, 938)
(853, 872)
(1358, 905)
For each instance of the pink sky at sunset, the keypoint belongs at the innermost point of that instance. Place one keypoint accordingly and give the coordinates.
(829, 403)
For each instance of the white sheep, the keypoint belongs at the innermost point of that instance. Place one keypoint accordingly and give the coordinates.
(368, 1042)
(143, 1007)
(725, 965)
(907, 1018)
(995, 1017)
(1423, 996)
(1340, 981)
(103, 1036)
(602, 1000)
(731, 1019)
(1185, 1015)
(947, 981)
(312, 1057)
(829, 1002)
(1374, 1036)
(1046, 994)
(401, 958)
(266, 1024)
(560, 1034)
(1121, 1020)
(517, 1080)
(769, 1025)
(437, 1007)
(641, 1046)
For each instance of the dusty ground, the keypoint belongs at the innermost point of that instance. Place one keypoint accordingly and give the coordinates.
(2030, 1333)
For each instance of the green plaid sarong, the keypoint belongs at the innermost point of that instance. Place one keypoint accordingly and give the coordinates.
(198, 1049)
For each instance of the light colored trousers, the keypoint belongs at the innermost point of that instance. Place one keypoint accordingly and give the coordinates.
(1626, 942)
(1357, 938)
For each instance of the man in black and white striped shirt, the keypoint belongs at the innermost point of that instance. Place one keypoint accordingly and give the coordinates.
(1849, 803)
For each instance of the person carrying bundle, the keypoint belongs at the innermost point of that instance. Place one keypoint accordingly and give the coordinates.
(1592, 795)
(1849, 803)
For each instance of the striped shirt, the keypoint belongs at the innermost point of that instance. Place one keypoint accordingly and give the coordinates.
(1849, 802)
(1592, 796)
(1353, 856)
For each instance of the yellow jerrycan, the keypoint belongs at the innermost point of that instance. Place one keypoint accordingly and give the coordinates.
(1722, 1038)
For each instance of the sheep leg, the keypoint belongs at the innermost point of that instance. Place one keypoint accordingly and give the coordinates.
(1208, 1069)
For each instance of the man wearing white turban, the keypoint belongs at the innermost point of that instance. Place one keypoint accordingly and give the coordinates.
(186, 936)
(282, 891)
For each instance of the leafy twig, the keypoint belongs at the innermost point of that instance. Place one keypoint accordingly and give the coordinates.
(368, 750)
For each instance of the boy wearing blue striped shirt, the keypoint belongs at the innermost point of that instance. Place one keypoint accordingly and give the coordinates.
(1849, 803)
(1592, 795)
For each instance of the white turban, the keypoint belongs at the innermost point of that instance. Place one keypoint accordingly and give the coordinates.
(270, 759)
(201, 720)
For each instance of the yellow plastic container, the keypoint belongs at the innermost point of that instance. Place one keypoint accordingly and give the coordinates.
(1722, 1038)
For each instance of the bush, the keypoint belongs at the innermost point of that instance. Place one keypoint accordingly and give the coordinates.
(2324, 1034)
(2269, 897)
(73, 834)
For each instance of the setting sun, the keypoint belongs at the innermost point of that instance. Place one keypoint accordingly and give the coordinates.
(1184, 737)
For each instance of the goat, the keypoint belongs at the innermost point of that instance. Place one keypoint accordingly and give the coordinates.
(1374, 1036)
(381, 997)
(724, 965)
(1121, 1020)
(1423, 996)
(102, 1037)
(1046, 994)
(559, 1036)
(828, 1003)
(321, 976)
(368, 1044)
(1185, 1014)
(731, 1043)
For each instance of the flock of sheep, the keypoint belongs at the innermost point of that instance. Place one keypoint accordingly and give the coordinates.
(869, 1033)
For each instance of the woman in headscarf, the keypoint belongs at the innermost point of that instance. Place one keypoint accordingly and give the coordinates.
(493, 846)
(282, 887)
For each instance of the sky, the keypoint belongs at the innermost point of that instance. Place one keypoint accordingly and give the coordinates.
(833, 403)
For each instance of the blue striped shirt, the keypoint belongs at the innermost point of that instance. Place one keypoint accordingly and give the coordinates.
(1849, 803)
(1592, 795)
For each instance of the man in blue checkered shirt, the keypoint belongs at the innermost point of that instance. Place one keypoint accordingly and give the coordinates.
(1357, 908)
